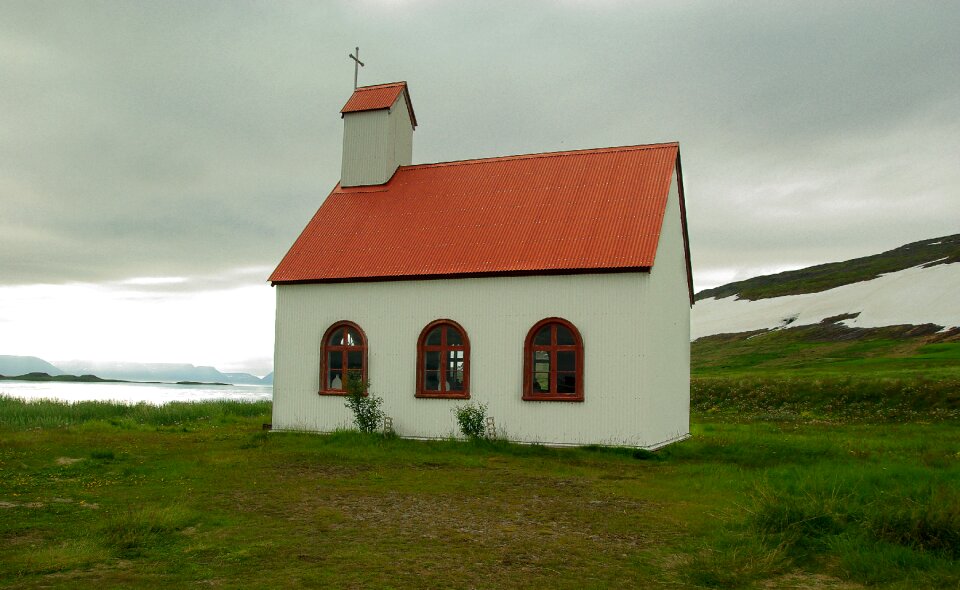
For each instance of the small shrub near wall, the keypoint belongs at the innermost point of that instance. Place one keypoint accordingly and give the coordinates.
(367, 415)
(472, 420)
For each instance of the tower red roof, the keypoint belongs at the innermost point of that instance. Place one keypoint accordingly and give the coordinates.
(379, 96)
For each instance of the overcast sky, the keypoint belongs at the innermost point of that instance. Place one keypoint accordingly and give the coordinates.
(157, 159)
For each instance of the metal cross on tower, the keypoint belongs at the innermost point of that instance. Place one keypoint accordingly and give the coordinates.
(356, 66)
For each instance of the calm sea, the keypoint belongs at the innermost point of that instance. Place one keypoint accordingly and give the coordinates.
(151, 393)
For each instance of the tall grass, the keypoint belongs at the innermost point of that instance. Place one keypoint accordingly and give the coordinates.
(880, 522)
(19, 414)
(839, 398)
(135, 531)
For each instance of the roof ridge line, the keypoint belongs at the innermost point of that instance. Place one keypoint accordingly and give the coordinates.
(624, 148)
(373, 86)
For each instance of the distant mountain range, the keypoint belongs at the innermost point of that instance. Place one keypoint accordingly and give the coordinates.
(913, 285)
(165, 372)
(21, 365)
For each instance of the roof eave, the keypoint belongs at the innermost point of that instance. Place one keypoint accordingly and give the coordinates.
(465, 275)
(683, 225)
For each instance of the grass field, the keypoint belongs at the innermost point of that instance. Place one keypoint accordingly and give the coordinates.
(198, 495)
(831, 350)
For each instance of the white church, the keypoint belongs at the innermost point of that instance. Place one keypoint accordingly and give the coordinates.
(555, 288)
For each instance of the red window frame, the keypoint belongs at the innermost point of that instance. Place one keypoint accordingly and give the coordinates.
(327, 348)
(530, 349)
(442, 348)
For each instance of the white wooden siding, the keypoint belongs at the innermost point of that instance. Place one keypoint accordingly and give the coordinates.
(635, 329)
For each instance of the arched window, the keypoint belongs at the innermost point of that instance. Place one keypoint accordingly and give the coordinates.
(553, 362)
(443, 361)
(344, 352)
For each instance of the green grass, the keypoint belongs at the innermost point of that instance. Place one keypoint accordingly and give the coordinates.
(828, 372)
(832, 398)
(117, 496)
(14, 414)
(830, 350)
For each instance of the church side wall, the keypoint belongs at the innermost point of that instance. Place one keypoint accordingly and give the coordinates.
(623, 369)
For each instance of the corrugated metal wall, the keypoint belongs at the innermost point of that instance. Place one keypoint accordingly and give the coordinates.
(402, 134)
(666, 351)
(374, 144)
(635, 329)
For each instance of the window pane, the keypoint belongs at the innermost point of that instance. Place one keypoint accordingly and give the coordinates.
(355, 359)
(541, 382)
(455, 381)
(432, 361)
(564, 335)
(431, 381)
(454, 338)
(541, 361)
(433, 338)
(333, 380)
(543, 336)
(566, 382)
(454, 360)
(336, 338)
(334, 359)
(566, 360)
(353, 338)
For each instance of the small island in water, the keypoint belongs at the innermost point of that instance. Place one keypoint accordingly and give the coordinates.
(38, 376)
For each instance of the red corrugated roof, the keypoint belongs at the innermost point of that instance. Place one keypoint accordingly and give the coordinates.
(581, 211)
(380, 96)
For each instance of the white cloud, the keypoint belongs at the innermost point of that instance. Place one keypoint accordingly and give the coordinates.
(154, 281)
(228, 328)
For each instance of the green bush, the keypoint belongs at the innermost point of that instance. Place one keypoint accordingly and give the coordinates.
(472, 420)
(367, 414)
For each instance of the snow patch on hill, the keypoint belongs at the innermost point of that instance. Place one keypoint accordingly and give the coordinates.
(912, 296)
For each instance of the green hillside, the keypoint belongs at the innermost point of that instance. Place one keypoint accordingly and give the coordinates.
(831, 348)
(835, 274)
(828, 372)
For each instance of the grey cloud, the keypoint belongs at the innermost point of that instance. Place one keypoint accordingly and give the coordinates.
(181, 139)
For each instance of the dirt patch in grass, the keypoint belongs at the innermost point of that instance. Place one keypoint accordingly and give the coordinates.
(5, 504)
(808, 581)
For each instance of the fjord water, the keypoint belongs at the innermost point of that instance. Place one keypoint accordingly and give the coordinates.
(132, 393)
